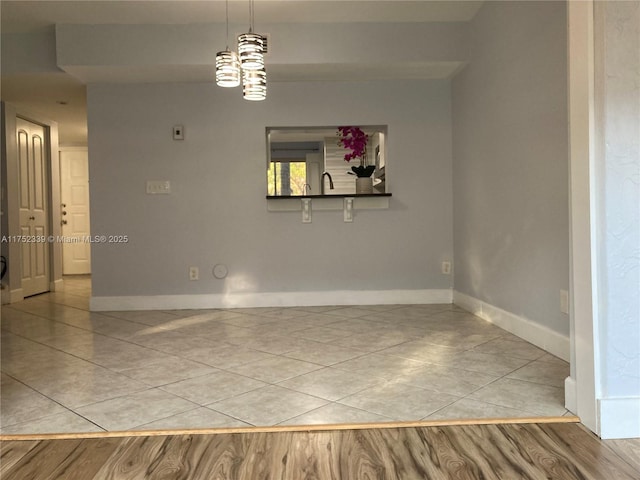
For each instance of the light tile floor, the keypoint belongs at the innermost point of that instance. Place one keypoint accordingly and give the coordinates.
(65, 369)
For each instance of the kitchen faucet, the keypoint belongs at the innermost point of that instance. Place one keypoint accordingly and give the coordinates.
(330, 181)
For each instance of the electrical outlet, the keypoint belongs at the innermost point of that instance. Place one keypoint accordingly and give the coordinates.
(194, 273)
(564, 301)
(446, 268)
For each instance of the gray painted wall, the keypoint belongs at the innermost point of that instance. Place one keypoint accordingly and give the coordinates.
(217, 212)
(510, 168)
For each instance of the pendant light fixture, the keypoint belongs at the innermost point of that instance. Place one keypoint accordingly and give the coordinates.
(247, 65)
(254, 84)
(251, 46)
(227, 63)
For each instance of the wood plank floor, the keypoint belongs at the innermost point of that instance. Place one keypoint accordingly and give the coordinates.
(494, 451)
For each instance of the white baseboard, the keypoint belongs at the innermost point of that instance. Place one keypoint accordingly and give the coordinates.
(275, 299)
(12, 296)
(619, 417)
(541, 336)
(56, 285)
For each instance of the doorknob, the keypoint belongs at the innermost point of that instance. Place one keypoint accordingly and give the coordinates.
(64, 205)
(64, 212)
(32, 218)
(64, 222)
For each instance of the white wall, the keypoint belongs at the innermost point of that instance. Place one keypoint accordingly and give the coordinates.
(510, 167)
(618, 217)
(33, 52)
(217, 211)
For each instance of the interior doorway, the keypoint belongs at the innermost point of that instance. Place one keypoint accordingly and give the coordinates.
(33, 182)
(76, 225)
(30, 192)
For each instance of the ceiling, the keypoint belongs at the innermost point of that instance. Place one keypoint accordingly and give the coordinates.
(62, 98)
(25, 16)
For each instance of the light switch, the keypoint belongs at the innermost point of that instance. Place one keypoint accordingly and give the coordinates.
(158, 187)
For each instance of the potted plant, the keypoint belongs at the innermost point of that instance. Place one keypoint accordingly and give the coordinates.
(355, 140)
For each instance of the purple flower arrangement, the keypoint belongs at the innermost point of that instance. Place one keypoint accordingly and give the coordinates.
(354, 139)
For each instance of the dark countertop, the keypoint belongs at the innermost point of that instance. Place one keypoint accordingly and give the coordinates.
(338, 195)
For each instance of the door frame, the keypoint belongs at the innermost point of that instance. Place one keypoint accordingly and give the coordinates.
(10, 199)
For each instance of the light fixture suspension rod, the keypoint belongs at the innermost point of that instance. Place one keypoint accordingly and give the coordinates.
(251, 17)
(227, 22)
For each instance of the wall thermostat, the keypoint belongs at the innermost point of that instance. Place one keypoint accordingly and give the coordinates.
(178, 132)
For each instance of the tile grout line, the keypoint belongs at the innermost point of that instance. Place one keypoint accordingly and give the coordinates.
(48, 398)
(384, 324)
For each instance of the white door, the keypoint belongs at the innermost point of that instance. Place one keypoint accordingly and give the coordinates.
(33, 175)
(74, 191)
